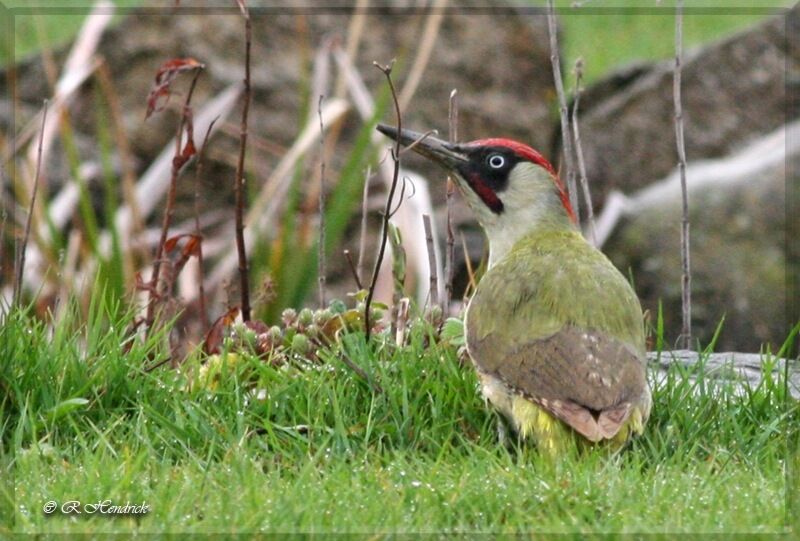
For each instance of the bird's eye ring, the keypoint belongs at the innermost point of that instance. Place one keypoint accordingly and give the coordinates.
(496, 161)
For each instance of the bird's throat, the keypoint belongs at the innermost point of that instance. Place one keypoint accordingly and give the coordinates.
(487, 195)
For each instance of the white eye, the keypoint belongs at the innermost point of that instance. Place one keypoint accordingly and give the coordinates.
(496, 161)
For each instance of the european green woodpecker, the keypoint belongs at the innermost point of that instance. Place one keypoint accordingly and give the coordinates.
(554, 329)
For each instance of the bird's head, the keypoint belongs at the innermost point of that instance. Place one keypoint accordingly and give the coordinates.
(513, 190)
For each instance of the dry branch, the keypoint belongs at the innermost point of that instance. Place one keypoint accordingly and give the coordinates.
(555, 59)
(154, 181)
(182, 154)
(361, 372)
(387, 71)
(587, 196)
(472, 283)
(36, 176)
(408, 219)
(273, 193)
(351, 264)
(743, 370)
(244, 284)
(452, 120)
(362, 241)
(321, 247)
(434, 282)
(198, 231)
(686, 273)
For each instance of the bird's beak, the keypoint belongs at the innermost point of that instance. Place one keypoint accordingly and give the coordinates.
(442, 152)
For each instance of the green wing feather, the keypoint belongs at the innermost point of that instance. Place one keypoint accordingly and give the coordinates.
(551, 280)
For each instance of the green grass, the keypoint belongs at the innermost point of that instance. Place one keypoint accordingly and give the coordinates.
(321, 452)
(620, 36)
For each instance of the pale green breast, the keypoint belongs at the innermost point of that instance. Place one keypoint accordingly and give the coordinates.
(549, 280)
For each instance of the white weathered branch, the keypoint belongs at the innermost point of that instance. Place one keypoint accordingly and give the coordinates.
(741, 369)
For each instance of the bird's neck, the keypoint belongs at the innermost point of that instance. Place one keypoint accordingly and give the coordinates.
(526, 224)
(503, 240)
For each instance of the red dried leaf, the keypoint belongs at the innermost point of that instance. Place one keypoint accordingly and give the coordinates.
(160, 92)
(192, 246)
(189, 249)
(188, 151)
(215, 334)
(171, 243)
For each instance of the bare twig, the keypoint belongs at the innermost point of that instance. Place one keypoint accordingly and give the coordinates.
(321, 256)
(362, 241)
(401, 324)
(587, 196)
(566, 138)
(472, 283)
(154, 182)
(26, 236)
(387, 71)
(177, 166)
(434, 281)
(244, 285)
(449, 256)
(198, 172)
(408, 216)
(686, 276)
(349, 258)
(399, 268)
(360, 371)
(272, 195)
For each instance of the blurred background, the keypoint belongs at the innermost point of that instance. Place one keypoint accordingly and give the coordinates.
(106, 168)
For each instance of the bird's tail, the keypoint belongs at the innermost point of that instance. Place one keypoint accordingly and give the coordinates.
(556, 439)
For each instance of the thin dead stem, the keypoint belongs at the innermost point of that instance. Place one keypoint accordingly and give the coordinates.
(387, 71)
(362, 241)
(239, 188)
(360, 371)
(472, 283)
(434, 281)
(349, 258)
(587, 196)
(321, 255)
(29, 219)
(449, 256)
(686, 275)
(555, 59)
(177, 166)
(197, 231)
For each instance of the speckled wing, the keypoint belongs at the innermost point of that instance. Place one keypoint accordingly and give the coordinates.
(568, 337)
